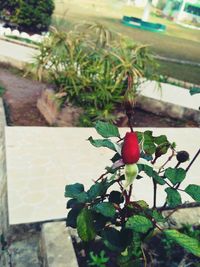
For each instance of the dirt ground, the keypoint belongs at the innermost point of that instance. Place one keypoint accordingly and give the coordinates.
(20, 99)
(21, 96)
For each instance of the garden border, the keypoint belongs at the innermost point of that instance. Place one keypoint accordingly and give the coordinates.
(56, 254)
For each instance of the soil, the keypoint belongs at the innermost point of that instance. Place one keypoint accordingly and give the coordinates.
(20, 99)
(21, 96)
(159, 252)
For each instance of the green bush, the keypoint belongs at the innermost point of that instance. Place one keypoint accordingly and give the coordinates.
(92, 69)
(28, 15)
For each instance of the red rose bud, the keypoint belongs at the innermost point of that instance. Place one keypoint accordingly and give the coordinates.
(130, 148)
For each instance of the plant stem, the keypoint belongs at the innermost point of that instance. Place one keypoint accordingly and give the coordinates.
(101, 177)
(130, 191)
(154, 193)
(196, 155)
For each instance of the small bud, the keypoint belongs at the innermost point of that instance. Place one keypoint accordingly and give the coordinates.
(131, 172)
(182, 156)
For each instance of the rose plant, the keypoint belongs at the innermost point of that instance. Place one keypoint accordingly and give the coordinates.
(122, 223)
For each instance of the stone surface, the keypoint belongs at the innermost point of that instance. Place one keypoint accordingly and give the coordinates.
(42, 160)
(48, 105)
(21, 248)
(171, 100)
(3, 174)
(16, 55)
(187, 216)
(56, 246)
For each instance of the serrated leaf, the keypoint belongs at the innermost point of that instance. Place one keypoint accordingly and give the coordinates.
(72, 217)
(151, 173)
(143, 204)
(71, 203)
(173, 197)
(106, 209)
(116, 197)
(175, 175)
(82, 197)
(85, 225)
(73, 190)
(106, 129)
(96, 190)
(194, 191)
(139, 224)
(102, 143)
(188, 243)
(157, 216)
(148, 143)
(112, 239)
(161, 139)
(195, 90)
(158, 179)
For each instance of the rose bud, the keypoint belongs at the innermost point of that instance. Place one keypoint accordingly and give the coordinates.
(130, 148)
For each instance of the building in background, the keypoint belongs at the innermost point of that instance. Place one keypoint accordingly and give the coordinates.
(181, 10)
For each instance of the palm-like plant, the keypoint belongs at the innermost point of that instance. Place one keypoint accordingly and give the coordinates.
(93, 68)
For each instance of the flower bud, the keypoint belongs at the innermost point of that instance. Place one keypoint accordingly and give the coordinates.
(130, 148)
(182, 156)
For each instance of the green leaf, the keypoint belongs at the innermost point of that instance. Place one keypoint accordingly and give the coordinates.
(143, 204)
(106, 129)
(85, 225)
(151, 173)
(116, 157)
(158, 179)
(161, 139)
(175, 175)
(112, 239)
(106, 209)
(173, 197)
(102, 143)
(116, 197)
(157, 216)
(72, 217)
(195, 90)
(82, 197)
(71, 203)
(139, 224)
(194, 191)
(96, 190)
(188, 243)
(73, 190)
(148, 144)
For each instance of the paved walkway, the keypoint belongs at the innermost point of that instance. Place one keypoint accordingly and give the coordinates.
(42, 160)
(16, 55)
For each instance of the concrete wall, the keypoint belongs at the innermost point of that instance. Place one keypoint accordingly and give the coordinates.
(3, 174)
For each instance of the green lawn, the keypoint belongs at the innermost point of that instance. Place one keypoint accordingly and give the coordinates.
(177, 42)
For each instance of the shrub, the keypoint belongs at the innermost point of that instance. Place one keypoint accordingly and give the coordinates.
(29, 15)
(93, 69)
(108, 209)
